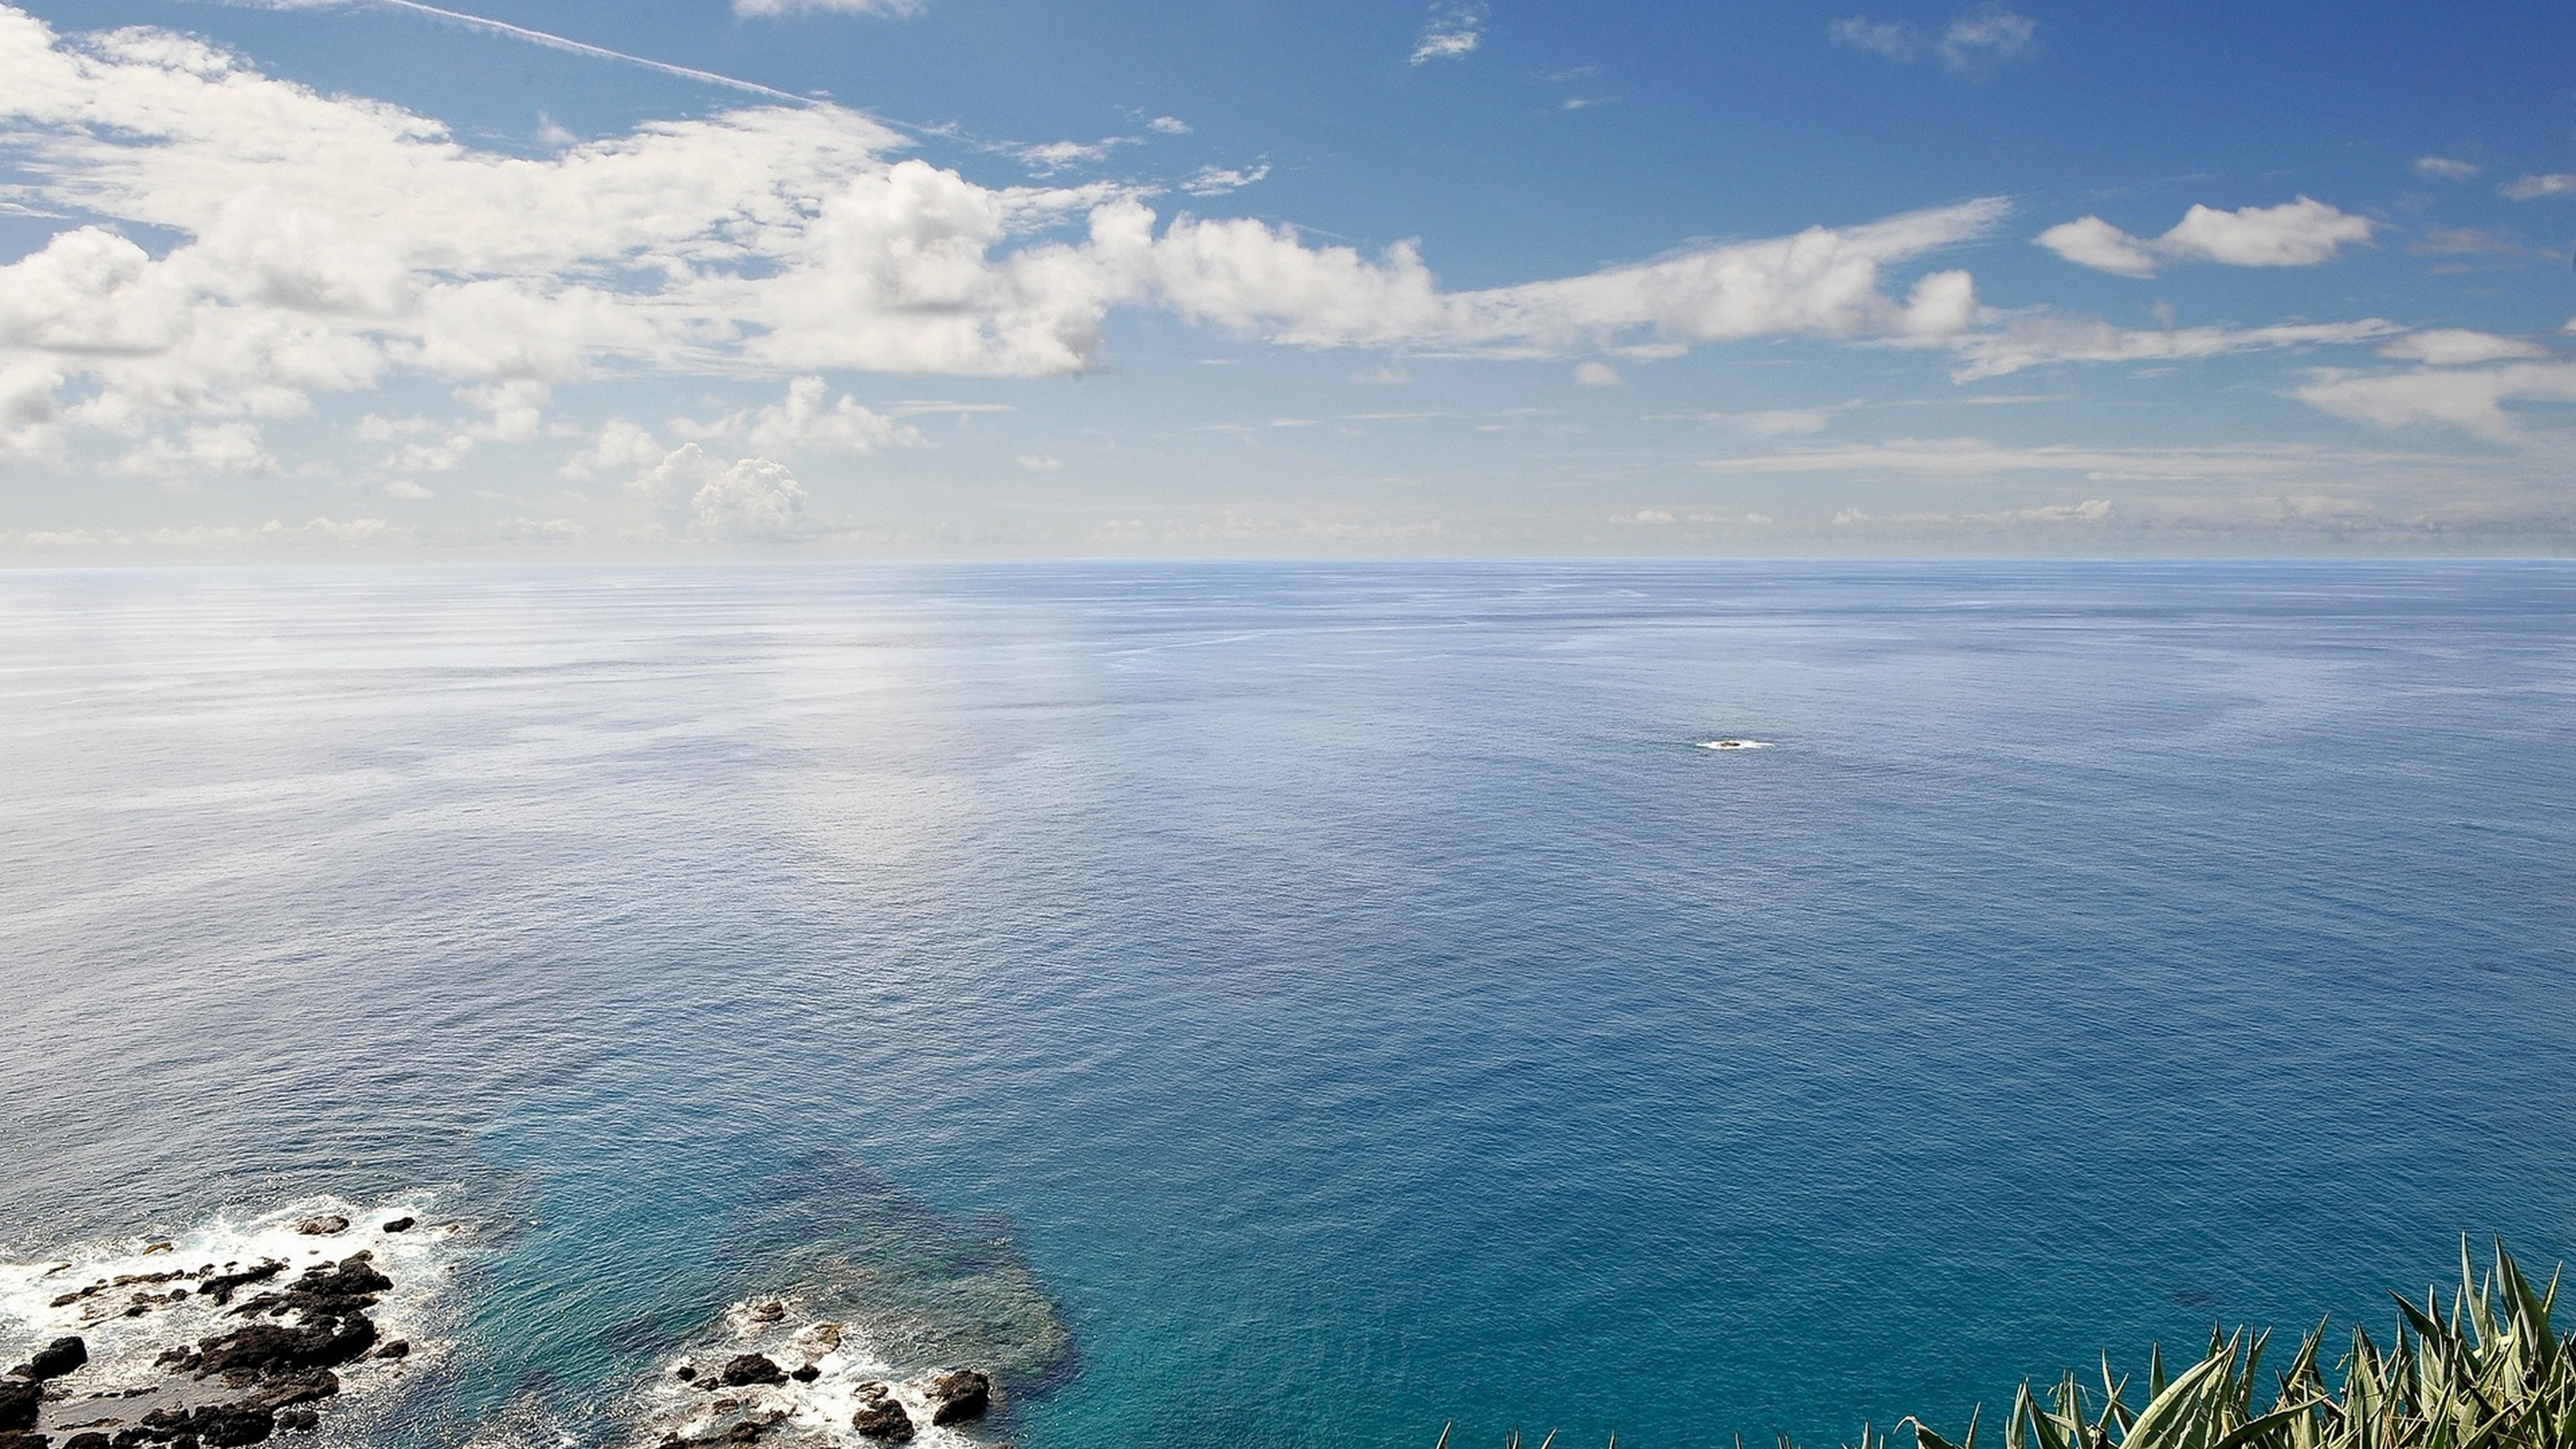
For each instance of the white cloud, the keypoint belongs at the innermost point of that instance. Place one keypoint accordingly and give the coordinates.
(1168, 126)
(752, 500)
(224, 449)
(762, 9)
(516, 410)
(1596, 374)
(621, 448)
(2458, 346)
(2034, 341)
(2298, 233)
(2092, 242)
(1453, 33)
(1217, 180)
(2268, 471)
(557, 531)
(406, 490)
(1253, 279)
(2532, 188)
(802, 423)
(328, 243)
(1975, 41)
(1055, 156)
(1039, 462)
(30, 419)
(755, 500)
(2464, 241)
(2470, 399)
(2444, 168)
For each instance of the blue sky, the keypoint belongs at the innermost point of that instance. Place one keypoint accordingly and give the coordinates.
(979, 277)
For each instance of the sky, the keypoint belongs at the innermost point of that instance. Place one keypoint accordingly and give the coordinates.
(360, 279)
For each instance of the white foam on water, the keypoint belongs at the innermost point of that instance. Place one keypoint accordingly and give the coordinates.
(1735, 744)
(162, 1274)
(668, 1404)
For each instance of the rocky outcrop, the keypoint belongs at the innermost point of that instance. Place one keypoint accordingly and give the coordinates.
(957, 1395)
(750, 1368)
(879, 1416)
(56, 1358)
(238, 1386)
(19, 1400)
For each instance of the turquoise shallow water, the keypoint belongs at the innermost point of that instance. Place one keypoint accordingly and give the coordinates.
(1349, 991)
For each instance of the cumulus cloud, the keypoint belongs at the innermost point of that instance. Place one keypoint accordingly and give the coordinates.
(2299, 233)
(328, 244)
(1596, 374)
(621, 448)
(216, 449)
(2092, 242)
(1974, 42)
(2445, 168)
(1168, 126)
(2459, 347)
(2471, 399)
(754, 500)
(2532, 188)
(805, 423)
(407, 490)
(1453, 32)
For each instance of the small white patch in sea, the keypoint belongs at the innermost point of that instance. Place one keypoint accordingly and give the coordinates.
(819, 1410)
(1735, 744)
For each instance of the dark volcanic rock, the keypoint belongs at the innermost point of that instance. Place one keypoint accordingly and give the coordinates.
(265, 1348)
(58, 1358)
(400, 1225)
(293, 1389)
(18, 1401)
(327, 1225)
(751, 1368)
(959, 1394)
(226, 1425)
(220, 1287)
(91, 1440)
(399, 1348)
(879, 1416)
(805, 1375)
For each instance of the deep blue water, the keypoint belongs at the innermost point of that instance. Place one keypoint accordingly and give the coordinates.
(1358, 997)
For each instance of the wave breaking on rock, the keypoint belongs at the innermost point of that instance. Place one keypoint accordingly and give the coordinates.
(228, 1334)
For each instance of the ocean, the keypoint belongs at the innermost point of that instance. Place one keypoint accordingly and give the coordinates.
(1297, 1004)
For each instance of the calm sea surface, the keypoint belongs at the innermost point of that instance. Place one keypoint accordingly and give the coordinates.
(1351, 992)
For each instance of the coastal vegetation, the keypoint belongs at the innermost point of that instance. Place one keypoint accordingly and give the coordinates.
(2487, 1370)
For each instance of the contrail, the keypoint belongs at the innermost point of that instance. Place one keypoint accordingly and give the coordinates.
(556, 42)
